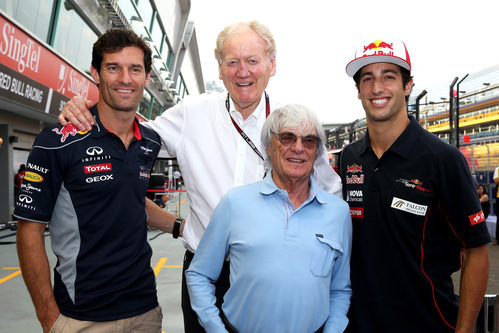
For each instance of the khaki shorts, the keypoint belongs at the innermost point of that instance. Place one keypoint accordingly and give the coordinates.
(149, 322)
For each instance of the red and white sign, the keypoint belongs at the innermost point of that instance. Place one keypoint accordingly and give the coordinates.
(477, 218)
(24, 54)
(357, 212)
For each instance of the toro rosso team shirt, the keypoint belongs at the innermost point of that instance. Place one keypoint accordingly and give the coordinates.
(91, 190)
(412, 211)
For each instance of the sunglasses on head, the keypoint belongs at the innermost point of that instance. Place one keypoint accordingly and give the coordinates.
(288, 138)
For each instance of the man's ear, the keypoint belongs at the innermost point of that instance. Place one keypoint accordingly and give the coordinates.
(95, 75)
(408, 87)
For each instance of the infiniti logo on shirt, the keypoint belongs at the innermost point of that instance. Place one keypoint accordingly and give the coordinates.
(94, 151)
(25, 198)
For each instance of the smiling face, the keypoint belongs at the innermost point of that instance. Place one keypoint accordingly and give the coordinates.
(122, 79)
(245, 69)
(294, 162)
(382, 93)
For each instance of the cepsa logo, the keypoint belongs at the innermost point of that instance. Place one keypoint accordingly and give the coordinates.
(357, 212)
(33, 177)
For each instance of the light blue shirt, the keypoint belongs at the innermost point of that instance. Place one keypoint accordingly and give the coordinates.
(289, 269)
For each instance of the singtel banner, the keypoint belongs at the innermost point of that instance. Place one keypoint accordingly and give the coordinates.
(32, 74)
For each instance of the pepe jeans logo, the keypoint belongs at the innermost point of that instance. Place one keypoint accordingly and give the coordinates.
(409, 207)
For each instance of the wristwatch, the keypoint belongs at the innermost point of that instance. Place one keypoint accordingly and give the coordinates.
(176, 227)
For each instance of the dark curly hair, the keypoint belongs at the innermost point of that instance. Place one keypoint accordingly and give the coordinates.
(114, 40)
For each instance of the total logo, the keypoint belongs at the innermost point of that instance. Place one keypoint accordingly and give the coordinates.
(33, 177)
(67, 130)
(98, 168)
(97, 179)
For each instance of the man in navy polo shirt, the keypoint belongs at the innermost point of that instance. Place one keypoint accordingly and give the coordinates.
(90, 187)
(416, 217)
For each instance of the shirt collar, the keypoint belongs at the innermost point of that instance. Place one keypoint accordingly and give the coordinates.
(404, 143)
(101, 130)
(258, 113)
(267, 187)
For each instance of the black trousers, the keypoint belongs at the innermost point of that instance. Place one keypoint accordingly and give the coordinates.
(191, 323)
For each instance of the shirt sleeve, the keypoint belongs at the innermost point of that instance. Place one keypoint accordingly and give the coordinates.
(170, 127)
(341, 291)
(458, 200)
(41, 184)
(206, 266)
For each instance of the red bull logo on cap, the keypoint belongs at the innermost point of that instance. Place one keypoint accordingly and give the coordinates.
(379, 47)
(68, 130)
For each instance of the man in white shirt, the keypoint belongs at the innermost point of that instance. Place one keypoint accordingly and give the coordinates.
(206, 135)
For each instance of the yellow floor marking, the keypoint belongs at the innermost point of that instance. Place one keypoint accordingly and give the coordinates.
(161, 264)
(10, 276)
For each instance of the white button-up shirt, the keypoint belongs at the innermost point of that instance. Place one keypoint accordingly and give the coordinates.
(213, 157)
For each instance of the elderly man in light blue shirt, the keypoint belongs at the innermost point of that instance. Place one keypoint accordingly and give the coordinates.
(288, 242)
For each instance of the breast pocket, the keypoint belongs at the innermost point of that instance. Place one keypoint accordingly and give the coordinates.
(326, 251)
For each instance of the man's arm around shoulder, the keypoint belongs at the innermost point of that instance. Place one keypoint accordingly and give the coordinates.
(36, 271)
(474, 276)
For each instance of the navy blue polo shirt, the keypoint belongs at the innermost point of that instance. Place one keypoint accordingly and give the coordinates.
(412, 211)
(91, 190)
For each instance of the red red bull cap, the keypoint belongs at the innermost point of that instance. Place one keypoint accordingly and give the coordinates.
(393, 52)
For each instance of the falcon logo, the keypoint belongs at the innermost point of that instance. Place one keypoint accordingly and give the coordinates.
(409, 207)
(477, 218)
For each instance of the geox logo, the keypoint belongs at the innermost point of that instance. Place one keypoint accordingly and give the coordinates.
(409, 207)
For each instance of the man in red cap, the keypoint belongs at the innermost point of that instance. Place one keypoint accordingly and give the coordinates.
(416, 218)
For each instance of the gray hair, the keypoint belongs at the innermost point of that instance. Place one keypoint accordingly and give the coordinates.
(294, 116)
(255, 26)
